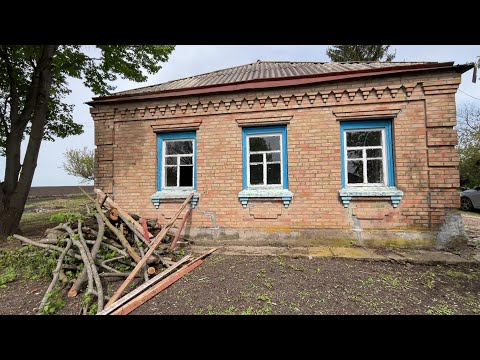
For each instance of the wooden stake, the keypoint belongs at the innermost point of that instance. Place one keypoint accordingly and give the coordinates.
(174, 242)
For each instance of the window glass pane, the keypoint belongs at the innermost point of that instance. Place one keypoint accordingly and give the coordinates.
(171, 176)
(256, 158)
(354, 154)
(265, 143)
(186, 160)
(273, 174)
(179, 147)
(171, 161)
(355, 171)
(186, 175)
(256, 174)
(374, 171)
(273, 157)
(372, 153)
(364, 138)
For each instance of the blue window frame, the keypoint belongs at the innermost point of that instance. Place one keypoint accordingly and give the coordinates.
(177, 159)
(265, 163)
(367, 153)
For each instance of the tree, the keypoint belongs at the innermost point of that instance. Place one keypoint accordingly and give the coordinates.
(33, 83)
(469, 144)
(80, 163)
(344, 53)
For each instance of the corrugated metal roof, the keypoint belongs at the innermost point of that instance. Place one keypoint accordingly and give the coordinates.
(263, 70)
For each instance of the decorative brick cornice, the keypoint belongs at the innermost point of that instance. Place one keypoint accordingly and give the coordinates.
(293, 99)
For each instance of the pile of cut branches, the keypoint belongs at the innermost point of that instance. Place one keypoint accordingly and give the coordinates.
(108, 244)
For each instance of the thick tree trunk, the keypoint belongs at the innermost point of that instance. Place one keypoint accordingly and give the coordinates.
(18, 180)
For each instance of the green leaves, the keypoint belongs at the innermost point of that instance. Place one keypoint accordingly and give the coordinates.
(343, 53)
(97, 66)
(469, 144)
(80, 163)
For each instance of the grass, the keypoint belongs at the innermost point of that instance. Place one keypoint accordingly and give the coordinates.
(440, 309)
(460, 274)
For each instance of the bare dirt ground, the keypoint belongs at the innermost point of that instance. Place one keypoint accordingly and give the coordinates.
(227, 284)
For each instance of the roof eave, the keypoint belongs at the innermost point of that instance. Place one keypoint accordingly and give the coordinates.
(279, 82)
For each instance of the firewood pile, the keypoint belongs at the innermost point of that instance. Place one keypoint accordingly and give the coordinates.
(107, 243)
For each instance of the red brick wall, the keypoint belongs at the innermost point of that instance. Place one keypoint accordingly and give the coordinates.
(424, 139)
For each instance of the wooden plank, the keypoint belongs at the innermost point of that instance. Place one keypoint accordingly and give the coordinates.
(150, 293)
(145, 230)
(174, 242)
(154, 245)
(145, 286)
(123, 214)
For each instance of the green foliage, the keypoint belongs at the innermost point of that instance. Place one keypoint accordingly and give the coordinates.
(97, 66)
(7, 276)
(391, 281)
(344, 53)
(80, 163)
(441, 309)
(468, 116)
(69, 216)
(54, 302)
(29, 262)
(429, 279)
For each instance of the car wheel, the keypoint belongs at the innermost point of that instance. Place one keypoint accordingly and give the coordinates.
(466, 204)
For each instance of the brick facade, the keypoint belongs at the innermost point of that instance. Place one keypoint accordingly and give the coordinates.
(423, 112)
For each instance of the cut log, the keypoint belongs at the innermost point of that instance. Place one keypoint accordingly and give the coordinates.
(154, 290)
(109, 203)
(154, 244)
(113, 215)
(151, 270)
(109, 308)
(120, 236)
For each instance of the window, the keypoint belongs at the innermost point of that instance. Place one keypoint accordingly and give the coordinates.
(176, 161)
(264, 159)
(367, 153)
(177, 172)
(265, 166)
(367, 161)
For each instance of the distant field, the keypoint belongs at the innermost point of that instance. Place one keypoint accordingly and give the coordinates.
(46, 191)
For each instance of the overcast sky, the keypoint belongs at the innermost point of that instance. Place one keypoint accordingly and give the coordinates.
(188, 60)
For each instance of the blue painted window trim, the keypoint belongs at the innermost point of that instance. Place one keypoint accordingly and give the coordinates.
(265, 130)
(348, 192)
(173, 194)
(175, 136)
(280, 192)
(369, 124)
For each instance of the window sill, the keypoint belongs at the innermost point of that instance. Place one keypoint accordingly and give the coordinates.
(283, 194)
(173, 195)
(346, 194)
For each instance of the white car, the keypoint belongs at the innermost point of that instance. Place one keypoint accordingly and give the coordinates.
(470, 199)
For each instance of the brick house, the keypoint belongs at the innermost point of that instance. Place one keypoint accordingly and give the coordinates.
(290, 152)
